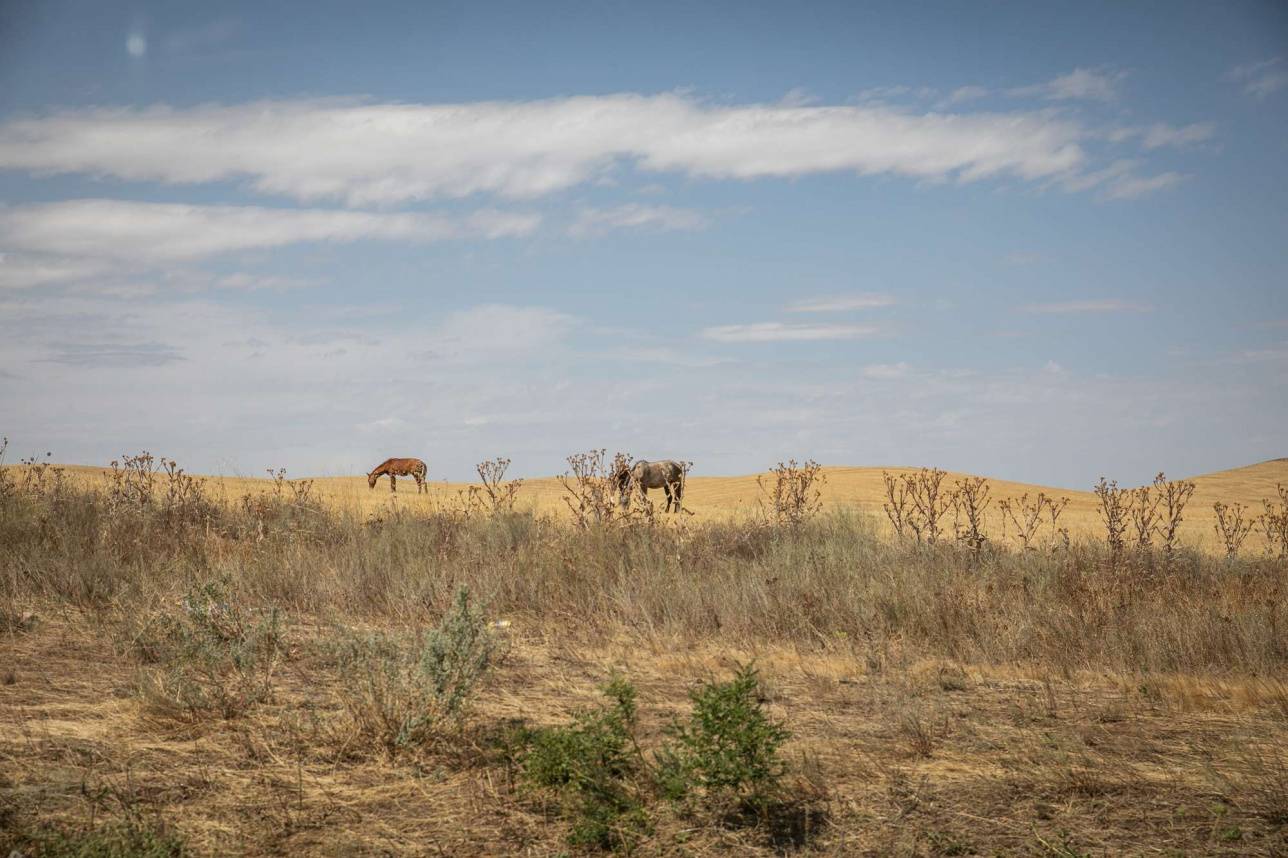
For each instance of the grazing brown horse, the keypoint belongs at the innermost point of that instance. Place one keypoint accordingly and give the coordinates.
(395, 468)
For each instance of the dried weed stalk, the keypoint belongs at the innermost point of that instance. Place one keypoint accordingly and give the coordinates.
(897, 504)
(496, 494)
(795, 493)
(1274, 523)
(1115, 514)
(1173, 496)
(971, 500)
(591, 486)
(929, 502)
(1231, 526)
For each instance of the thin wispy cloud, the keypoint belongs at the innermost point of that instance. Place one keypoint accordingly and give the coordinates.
(634, 216)
(886, 371)
(1104, 305)
(1081, 84)
(368, 154)
(114, 355)
(1132, 187)
(158, 232)
(29, 272)
(842, 303)
(1261, 79)
(772, 332)
(1161, 134)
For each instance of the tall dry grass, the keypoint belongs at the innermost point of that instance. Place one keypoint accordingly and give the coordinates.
(825, 580)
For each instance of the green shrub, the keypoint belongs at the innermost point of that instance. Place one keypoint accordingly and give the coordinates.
(209, 655)
(400, 694)
(729, 746)
(590, 765)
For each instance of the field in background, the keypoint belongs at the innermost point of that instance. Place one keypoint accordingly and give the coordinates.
(720, 498)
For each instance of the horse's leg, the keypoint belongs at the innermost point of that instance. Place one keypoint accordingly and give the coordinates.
(679, 496)
(666, 488)
(393, 482)
(421, 488)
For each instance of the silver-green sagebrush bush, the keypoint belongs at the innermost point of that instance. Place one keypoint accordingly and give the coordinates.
(208, 655)
(399, 693)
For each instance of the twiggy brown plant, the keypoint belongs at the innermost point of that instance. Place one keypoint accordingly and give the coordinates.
(133, 481)
(1054, 509)
(971, 500)
(1025, 516)
(7, 485)
(1231, 526)
(298, 493)
(794, 494)
(1115, 514)
(41, 477)
(1274, 523)
(929, 502)
(592, 496)
(896, 504)
(496, 494)
(1173, 496)
(1143, 508)
(185, 495)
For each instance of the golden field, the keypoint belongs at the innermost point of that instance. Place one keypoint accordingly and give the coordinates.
(717, 498)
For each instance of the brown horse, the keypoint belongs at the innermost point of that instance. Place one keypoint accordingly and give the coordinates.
(395, 468)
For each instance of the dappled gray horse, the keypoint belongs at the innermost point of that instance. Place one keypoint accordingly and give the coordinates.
(667, 475)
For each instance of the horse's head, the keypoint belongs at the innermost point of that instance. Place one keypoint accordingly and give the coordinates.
(371, 480)
(622, 479)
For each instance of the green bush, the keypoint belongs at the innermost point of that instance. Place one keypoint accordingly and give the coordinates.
(209, 655)
(400, 694)
(590, 765)
(729, 746)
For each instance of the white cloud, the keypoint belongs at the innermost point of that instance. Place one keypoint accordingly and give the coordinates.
(1105, 305)
(964, 94)
(1117, 181)
(1131, 187)
(769, 332)
(1078, 85)
(842, 303)
(27, 272)
(886, 371)
(384, 153)
(157, 232)
(1261, 79)
(1162, 134)
(497, 330)
(598, 221)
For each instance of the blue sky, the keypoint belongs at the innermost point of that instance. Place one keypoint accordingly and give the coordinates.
(1042, 242)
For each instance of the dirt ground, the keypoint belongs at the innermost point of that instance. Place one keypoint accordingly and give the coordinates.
(897, 756)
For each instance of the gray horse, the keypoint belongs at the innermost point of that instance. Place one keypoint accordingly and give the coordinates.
(667, 475)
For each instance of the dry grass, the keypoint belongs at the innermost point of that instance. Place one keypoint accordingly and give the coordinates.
(943, 699)
(737, 498)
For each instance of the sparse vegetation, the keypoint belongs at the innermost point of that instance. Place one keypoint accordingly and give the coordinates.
(274, 674)
(1232, 527)
(1274, 523)
(793, 494)
(1115, 514)
(401, 693)
(207, 655)
(729, 747)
